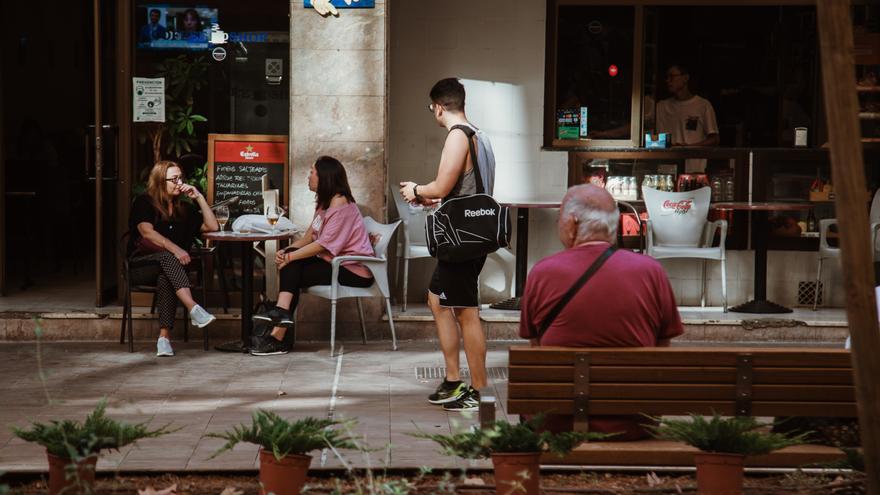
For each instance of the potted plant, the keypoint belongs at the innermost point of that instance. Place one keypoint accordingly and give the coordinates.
(724, 443)
(283, 460)
(515, 450)
(73, 447)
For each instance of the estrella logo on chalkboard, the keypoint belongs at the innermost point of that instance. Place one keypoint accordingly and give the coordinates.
(249, 153)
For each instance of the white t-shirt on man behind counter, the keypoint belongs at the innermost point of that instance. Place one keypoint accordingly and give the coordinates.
(688, 121)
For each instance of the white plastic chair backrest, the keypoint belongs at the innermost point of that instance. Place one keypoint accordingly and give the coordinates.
(380, 235)
(874, 217)
(677, 218)
(413, 219)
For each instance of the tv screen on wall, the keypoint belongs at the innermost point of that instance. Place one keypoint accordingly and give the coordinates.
(175, 27)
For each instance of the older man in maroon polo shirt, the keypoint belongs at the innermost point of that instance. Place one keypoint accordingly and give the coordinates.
(628, 302)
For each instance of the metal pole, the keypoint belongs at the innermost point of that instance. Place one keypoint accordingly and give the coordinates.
(99, 160)
(856, 257)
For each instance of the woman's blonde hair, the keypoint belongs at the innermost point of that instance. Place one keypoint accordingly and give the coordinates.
(157, 191)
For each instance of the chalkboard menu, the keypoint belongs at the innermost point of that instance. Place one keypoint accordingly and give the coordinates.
(236, 165)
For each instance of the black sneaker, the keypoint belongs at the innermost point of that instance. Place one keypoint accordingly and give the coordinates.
(277, 316)
(268, 345)
(468, 402)
(447, 392)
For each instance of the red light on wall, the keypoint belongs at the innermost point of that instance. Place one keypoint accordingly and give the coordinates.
(612, 70)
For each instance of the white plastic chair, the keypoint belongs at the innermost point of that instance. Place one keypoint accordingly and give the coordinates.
(828, 252)
(378, 266)
(677, 228)
(412, 243)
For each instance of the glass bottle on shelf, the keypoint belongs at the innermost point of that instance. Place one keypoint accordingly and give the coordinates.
(728, 188)
(812, 224)
(717, 189)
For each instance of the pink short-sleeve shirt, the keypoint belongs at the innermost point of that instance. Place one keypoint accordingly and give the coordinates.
(341, 231)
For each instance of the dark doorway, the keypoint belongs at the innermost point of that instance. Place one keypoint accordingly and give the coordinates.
(48, 106)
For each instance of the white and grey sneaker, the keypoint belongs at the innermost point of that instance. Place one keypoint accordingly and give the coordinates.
(199, 317)
(163, 347)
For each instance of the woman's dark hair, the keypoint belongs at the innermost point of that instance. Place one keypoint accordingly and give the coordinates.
(332, 180)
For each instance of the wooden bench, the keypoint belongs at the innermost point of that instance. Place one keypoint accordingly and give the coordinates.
(675, 381)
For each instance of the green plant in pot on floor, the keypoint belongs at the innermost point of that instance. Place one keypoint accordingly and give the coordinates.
(724, 444)
(73, 447)
(515, 450)
(284, 462)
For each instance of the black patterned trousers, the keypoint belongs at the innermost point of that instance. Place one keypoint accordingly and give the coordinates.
(169, 276)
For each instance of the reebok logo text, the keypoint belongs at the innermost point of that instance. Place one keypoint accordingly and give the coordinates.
(482, 212)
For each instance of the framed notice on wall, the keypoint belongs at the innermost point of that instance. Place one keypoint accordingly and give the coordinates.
(236, 165)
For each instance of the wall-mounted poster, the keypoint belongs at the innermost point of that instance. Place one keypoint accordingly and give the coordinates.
(149, 99)
(236, 164)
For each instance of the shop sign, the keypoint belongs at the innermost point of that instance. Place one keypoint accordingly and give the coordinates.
(148, 99)
(219, 54)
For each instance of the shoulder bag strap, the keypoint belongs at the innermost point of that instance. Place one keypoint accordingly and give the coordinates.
(470, 135)
(594, 267)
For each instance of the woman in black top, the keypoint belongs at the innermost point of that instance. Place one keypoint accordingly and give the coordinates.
(163, 228)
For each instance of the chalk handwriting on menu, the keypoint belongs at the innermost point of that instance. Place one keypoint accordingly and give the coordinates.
(243, 181)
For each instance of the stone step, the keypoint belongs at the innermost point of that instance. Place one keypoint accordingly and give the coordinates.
(826, 327)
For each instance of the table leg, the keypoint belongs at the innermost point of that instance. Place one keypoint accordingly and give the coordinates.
(247, 292)
(247, 301)
(760, 304)
(522, 261)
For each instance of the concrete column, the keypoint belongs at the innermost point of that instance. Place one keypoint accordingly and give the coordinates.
(338, 108)
(338, 102)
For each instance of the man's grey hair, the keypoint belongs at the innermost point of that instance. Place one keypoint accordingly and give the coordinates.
(592, 223)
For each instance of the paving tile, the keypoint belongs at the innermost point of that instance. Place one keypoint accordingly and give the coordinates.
(212, 392)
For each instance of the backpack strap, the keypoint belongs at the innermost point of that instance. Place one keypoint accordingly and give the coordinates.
(593, 268)
(469, 132)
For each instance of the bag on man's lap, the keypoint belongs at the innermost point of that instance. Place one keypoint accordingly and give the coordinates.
(468, 227)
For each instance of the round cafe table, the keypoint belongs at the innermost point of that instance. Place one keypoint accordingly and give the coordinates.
(522, 247)
(760, 233)
(246, 240)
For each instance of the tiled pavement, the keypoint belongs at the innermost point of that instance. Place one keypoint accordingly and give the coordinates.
(211, 391)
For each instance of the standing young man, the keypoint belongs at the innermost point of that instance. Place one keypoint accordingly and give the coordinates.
(452, 295)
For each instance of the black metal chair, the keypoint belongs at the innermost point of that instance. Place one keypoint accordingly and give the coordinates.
(628, 208)
(198, 256)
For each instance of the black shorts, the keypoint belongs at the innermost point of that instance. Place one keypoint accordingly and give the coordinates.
(456, 284)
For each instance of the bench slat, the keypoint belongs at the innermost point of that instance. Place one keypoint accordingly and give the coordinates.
(684, 391)
(682, 374)
(697, 356)
(678, 407)
(667, 453)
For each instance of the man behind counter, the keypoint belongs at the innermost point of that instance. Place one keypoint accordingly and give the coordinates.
(688, 118)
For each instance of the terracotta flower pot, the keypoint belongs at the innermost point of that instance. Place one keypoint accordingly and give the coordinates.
(284, 477)
(719, 474)
(517, 473)
(81, 483)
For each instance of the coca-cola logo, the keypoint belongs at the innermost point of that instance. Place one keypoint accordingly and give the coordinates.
(678, 207)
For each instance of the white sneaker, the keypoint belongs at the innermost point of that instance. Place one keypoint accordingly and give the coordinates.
(163, 347)
(199, 317)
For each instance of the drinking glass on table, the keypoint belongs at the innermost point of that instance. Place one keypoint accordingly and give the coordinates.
(273, 213)
(222, 215)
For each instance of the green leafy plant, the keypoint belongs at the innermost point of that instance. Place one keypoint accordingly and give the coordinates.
(509, 438)
(733, 435)
(199, 178)
(184, 76)
(74, 440)
(854, 460)
(281, 437)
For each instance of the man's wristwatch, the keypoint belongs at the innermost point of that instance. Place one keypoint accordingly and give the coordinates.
(416, 193)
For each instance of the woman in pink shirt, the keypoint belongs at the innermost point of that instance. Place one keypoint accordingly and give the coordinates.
(337, 229)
